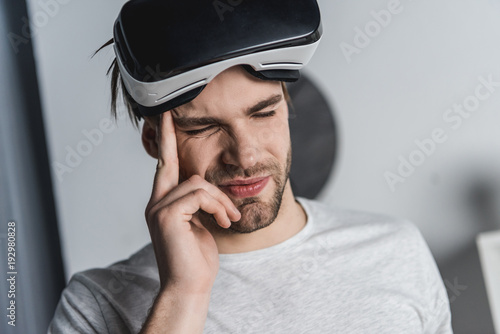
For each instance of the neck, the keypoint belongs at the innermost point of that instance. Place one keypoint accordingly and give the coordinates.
(290, 220)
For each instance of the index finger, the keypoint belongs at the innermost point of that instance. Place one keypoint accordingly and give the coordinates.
(167, 170)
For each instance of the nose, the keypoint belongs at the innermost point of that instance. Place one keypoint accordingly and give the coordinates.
(242, 149)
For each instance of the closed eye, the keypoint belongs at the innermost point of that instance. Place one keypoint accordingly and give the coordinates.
(203, 130)
(265, 114)
(199, 131)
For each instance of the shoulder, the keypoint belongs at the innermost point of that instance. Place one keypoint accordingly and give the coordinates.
(97, 298)
(139, 266)
(391, 251)
(367, 234)
(326, 217)
(374, 237)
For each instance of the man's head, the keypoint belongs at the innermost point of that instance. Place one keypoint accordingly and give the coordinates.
(236, 129)
(223, 82)
(248, 137)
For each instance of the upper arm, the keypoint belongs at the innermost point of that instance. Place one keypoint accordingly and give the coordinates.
(78, 311)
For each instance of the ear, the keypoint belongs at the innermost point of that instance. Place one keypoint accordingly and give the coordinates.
(148, 138)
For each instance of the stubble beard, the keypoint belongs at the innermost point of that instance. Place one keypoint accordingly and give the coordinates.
(256, 213)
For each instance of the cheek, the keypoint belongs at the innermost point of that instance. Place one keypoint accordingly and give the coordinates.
(195, 156)
(275, 135)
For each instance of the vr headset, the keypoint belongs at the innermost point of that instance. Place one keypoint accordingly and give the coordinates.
(169, 50)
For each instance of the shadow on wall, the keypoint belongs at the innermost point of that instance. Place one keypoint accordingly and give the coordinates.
(314, 138)
(463, 273)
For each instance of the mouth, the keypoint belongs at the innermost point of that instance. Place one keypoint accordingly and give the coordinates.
(245, 188)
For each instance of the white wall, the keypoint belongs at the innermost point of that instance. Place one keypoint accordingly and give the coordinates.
(397, 90)
(393, 92)
(102, 200)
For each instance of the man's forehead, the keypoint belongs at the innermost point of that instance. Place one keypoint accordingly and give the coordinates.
(233, 88)
(258, 103)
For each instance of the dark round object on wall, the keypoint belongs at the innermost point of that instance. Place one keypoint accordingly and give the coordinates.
(314, 138)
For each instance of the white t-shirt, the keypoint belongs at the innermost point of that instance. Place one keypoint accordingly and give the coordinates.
(344, 272)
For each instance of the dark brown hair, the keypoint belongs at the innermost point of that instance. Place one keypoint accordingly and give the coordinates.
(118, 88)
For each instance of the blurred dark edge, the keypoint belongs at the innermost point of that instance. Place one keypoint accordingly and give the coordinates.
(462, 272)
(25, 180)
(314, 138)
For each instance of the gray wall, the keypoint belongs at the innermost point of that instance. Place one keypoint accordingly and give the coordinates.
(391, 87)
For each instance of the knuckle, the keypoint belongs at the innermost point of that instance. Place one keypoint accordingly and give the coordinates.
(163, 214)
(156, 215)
(196, 179)
(201, 193)
(149, 212)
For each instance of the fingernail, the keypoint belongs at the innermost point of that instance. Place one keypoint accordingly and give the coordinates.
(237, 213)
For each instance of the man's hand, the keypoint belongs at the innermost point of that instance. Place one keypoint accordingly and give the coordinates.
(186, 253)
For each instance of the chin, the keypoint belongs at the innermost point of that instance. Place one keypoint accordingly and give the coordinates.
(257, 213)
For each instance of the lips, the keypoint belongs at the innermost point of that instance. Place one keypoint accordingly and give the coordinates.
(245, 188)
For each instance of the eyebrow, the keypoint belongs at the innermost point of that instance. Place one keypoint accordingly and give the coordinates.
(198, 121)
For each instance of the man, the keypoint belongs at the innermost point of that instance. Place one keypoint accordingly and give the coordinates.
(233, 250)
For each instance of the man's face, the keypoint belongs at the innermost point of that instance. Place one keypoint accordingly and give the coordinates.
(237, 129)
